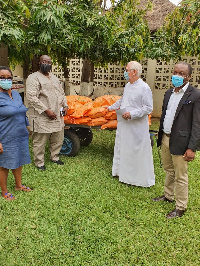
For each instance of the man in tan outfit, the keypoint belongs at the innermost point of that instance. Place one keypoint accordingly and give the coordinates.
(46, 99)
(179, 137)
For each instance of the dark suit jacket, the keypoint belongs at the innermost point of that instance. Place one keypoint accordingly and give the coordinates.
(185, 132)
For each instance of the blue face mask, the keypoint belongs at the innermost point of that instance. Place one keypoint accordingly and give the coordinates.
(5, 84)
(177, 81)
(126, 75)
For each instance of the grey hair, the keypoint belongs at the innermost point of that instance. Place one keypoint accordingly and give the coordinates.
(136, 66)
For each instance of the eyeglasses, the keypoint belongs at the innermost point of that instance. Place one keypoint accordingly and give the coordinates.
(4, 79)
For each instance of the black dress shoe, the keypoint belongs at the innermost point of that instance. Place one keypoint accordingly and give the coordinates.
(175, 213)
(41, 168)
(58, 162)
(162, 198)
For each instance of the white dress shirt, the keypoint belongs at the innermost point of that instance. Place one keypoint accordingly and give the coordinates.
(171, 108)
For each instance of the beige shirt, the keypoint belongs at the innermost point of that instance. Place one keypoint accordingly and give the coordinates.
(44, 93)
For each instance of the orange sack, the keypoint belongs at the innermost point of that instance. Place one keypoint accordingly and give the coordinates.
(83, 99)
(149, 119)
(89, 105)
(106, 100)
(97, 121)
(72, 98)
(111, 98)
(72, 106)
(68, 119)
(82, 120)
(80, 110)
(110, 124)
(79, 99)
(97, 112)
(100, 101)
(111, 115)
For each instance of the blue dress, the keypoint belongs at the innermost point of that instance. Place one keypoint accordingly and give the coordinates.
(14, 135)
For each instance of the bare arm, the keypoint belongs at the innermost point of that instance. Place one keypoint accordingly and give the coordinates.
(1, 148)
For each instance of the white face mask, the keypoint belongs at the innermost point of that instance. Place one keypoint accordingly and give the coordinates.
(6, 84)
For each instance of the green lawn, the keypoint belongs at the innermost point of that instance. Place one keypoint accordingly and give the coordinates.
(78, 214)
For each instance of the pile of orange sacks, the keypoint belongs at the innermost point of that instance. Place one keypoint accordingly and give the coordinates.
(83, 110)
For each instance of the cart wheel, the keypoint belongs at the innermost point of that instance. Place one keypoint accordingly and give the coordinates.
(71, 144)
(85, 135)
(153, 133)
(152, 141)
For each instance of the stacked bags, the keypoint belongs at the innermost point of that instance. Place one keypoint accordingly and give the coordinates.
(84, 111)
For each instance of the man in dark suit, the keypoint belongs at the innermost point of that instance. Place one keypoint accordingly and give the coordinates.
(179, 136)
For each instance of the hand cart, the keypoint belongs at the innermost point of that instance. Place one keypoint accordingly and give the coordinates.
(76, 136)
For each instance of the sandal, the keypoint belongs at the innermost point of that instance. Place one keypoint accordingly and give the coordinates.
(24, 188)
(9, 196)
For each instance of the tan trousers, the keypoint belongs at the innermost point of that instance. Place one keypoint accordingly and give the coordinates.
(176, 175)
(39, 143)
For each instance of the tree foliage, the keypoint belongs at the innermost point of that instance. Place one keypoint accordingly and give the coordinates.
(84, 29)
(78, 28)
(41, 27)
(10, 22)
(131, 35)
(180, 34)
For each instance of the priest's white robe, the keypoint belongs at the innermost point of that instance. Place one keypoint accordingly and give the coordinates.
(133, 160)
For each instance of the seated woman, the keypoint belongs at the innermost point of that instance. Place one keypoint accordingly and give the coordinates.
(14, 136)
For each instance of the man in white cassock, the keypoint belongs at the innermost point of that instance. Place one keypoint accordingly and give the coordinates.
(133, 160)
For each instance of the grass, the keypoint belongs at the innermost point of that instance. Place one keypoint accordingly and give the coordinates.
(79, 215)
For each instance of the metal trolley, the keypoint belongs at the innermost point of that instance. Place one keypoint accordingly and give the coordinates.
(76, 136)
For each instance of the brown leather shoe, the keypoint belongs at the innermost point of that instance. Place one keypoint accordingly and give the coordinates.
(162, 198)
(175, 213)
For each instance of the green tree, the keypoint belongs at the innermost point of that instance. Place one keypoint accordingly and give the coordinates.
(180, 34)
(130, 36)
(11, 32)
(75, 28)
(41, 29)
(30, 28)
(116, 35)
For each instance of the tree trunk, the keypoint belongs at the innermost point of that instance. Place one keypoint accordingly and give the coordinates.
(66, 76)
(3, 55)
(87, 71)
(86, 87)
(26, 72)
(35, 63)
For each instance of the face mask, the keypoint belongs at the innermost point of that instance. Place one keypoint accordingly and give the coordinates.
(5, 84)
(126, 75)
(177, 81)
(45, 68)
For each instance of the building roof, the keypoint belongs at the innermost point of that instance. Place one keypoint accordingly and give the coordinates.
(156, 17)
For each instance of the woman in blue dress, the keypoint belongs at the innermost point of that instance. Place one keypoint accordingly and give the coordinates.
(14, 136)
